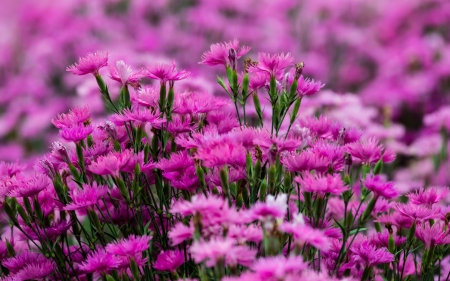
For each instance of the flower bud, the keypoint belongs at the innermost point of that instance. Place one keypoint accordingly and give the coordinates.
(232, 57)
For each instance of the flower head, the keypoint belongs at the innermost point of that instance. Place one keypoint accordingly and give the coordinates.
(274, 65)
(29, 186)
(369, 255)
(304, 161)
(123, 74)
(129, 247)
(111, 163)
(76, 116)
(428, 196)
(169, 260)
(86, 197)
(221, 152)
(415, 212)
(277, 267)
(437, 234)
(76, 133)
(90, 64)
(138, 115)
(370, 151)
(321, 184)
(380, 187)
(219, 53)
(308, 86)
(100, 262)
(166, 72)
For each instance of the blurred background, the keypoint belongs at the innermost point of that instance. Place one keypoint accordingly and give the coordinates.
(386, 64)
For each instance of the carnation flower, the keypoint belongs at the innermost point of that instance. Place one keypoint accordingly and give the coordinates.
(123, 74)
(129, 247)
(369, 255)
(112, 163)
(429, 196)
(277, 267)
(169, 260)
(166, 72)
(76, 116)
(90, 64)
(218, 54)
(87, 197)
(308, 86)
(76, 133)
(29, 186)
(370, 151)
(100, 262)
(380, 187)
(274, 65)
(437, 234)
(321, 184)
(304, 161)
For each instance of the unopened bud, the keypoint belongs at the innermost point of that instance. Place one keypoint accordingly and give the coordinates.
(48, 167)
(232, 57)
(60, 152)
(347, 163)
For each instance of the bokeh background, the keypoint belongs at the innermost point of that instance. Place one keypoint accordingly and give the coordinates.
(386, 64)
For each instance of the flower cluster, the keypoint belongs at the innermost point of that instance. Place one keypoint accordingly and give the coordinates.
(190, 186)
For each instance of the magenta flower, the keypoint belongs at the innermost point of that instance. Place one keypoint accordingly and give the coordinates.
(199, 204)
(218, 249)
(304, 161)
(15, 264)
(176, 163)
(138, 115)
(166, 72)
(91, 63)
(277, 267)
(195, 103)
(220, 153)
(36, 270)
(305, 234)
(76, 116)
(433, 235)
(76, 133)
(415, 212)
(274, 65)
(428, 196)
(369, 255)
(10, 169)
(100, 262)
(123, 74)
(146, 96)
(29, 186)
(332, 184)
(308, 87)
(333, 153)
(112, 163)
(219, 53)
(321, 127)
(180, 233)
(169, 260)
(381, 239)
(271, 210)
(129, 247)
(380, 187)
(370, 151)
(344, 135)
(87, 197)
(258, 80)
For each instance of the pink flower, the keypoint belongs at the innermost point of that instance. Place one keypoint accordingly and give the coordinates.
(304, 161)
(369, 255)
(274, 65)
(180, 233)
(218, 249)
(129, 247)
(218, 53)
(308, 87)
(344, 135)
(87, 197)
(370, 151)
(199, 204)
(177, 162)
(321, 184)
(169, 260)
(381, 239)
(195, 102)
(220, 153)
(433, 235)
(258, 80)
(146, 96)
(428, 196)
(333, 153)
(10, 169)
(380, 187)
(321, 127)
(139, 115)
(277, 267)
(185, 180)
(15, 264)
(76, 133)
(36, 270)
(76, 116)
(123, 74)
(415, 212)
(271, 210)
(112, 163)
(304, 234)
(100, 262)
(91, 63)
(29, 186)
(166, 72)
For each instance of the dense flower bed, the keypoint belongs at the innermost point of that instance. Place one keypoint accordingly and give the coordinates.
(265, 183)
